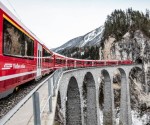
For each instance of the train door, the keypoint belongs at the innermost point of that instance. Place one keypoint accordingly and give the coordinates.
(66, 63)
(75, 64)
(39, 62)
(92, 63)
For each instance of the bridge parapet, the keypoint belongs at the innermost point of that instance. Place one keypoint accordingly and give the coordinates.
(38, 107)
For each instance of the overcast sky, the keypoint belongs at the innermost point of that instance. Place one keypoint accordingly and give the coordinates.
(57, 21)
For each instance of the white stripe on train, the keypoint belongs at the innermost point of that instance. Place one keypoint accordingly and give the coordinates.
(2, 78)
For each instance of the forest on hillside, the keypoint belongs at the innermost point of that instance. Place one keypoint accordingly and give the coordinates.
(117, 24)
(120, 22)
(88, 52)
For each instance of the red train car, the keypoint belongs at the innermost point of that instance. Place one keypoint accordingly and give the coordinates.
(126, 62)
(47, 60)
(79, 63)
(112, 62)
(21, 54)
(99, 62)
(71, 63)
(88, 63)
(24, 58)
(59, 61)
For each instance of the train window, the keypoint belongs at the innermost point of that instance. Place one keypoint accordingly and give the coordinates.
(88, 63)
(78, 62)
(68, 61)
(16, 43)
(64, 61)
(47, 56)
(46, 53)
(58, 61)
(100, 62)
(46, 60)
(50, 60)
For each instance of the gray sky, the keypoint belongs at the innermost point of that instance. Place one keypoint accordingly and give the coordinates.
(57, 21)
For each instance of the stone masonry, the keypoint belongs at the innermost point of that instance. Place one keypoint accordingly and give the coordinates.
(79, 109)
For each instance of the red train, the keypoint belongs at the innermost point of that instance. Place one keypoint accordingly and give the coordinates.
(24, 58)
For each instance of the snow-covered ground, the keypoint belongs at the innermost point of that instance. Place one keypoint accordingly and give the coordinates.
(101, 117)
(137, 120)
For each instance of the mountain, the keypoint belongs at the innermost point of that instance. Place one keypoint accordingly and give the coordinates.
(125, 36)
(92, 38)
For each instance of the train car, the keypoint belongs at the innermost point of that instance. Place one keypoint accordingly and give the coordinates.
(47, 61)
(23, 57)
(59, 61)
(99, 63)
(71, 63)
(111, 62)
(20, 53)
(88, 63)
(126, 62)
(79, 63)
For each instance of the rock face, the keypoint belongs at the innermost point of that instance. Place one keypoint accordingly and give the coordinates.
(107, 50)
(140, 99)
(135, 47)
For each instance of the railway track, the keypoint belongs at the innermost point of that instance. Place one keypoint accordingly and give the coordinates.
(7, 103)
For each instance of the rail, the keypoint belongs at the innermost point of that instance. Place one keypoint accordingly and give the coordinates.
(51, 84)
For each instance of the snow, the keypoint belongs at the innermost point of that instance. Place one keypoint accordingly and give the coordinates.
(136, 120)
(59, 49)
(101, 117)
(92, 35)
(91, 38)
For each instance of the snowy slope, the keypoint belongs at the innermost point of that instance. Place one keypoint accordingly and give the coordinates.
(90, 39)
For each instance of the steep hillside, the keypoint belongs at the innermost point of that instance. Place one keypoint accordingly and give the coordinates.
(127, 36)
(79, 44)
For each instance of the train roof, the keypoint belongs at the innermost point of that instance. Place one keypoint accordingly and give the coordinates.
(57, 54)
(7, 11)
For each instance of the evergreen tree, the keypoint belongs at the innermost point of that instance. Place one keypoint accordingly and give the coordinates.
(120, 22)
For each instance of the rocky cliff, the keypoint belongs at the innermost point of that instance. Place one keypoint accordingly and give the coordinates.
(135, 47)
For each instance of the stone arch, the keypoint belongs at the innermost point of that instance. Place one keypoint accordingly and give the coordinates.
(125, 108)
(108, 99)
(101, 93)
(139, 61)
(116, 85)
(73, 104)
(101, 97)
(59, 118)
(59, 99)
(89, 97)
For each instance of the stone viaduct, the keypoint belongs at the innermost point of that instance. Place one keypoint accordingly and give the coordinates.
(84, 99)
